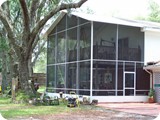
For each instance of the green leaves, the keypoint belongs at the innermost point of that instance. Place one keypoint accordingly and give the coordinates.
(3, 44)
(151, 92)
(154, 14)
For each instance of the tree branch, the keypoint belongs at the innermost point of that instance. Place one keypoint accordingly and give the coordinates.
(36, 41)
(8, 29)
(34, 6)
(42, 22)
(26, 20)
(40, 10)
(40, 47)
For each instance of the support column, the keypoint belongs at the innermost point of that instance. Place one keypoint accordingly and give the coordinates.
(56, 45)
(91, 67)
(66, 59)
(78, 56)
(116, 75)
(135, 80)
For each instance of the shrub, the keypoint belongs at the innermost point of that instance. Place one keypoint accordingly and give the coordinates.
(21, 96)
(151, 93)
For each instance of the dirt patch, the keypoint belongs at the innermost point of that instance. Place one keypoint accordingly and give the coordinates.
(92, 114)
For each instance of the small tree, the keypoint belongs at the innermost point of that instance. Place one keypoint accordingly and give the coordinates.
(154, 14)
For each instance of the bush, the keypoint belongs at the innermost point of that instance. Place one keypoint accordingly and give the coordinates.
(21, 97)
(151, 93)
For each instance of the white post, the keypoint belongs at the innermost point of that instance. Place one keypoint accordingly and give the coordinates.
(116, 77)
(91, 67)
(78, 55)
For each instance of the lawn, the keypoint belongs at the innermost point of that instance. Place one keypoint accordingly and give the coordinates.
(11, 110)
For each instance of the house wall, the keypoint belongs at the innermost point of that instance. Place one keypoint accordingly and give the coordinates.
(156, 85)
(152, 46)
(120, 98)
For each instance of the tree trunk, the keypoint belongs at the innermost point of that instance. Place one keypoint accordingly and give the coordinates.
(13, 67)
(30, 67)
(24, 76)
(4, 72)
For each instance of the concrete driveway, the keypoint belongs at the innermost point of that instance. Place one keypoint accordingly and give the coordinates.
(149, 109)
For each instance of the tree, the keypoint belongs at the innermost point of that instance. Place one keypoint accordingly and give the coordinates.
(154, 14)
(23, 21)
(3, 63)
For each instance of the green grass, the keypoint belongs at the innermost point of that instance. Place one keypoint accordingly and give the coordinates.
(4, 100)
(32, 110)
(10, 110)
(41, 89)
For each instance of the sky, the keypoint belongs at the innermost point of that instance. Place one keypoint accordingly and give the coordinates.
(119, 8)
(1, 1)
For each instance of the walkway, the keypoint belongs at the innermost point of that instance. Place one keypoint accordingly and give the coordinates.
(152, 109)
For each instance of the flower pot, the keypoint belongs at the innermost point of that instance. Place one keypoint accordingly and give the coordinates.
(151, 100)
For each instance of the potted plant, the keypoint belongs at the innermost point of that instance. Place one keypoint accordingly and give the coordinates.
(151, 95)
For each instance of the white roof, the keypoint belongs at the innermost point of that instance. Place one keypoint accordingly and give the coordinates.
(155, 67)
(115, 20)
(145, 25)
(103, 19)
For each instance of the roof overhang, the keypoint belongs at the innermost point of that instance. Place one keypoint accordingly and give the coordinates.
(154, 68)
(149, 29)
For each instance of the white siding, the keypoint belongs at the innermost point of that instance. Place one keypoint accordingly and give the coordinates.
(152, 46)
(121, 98)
